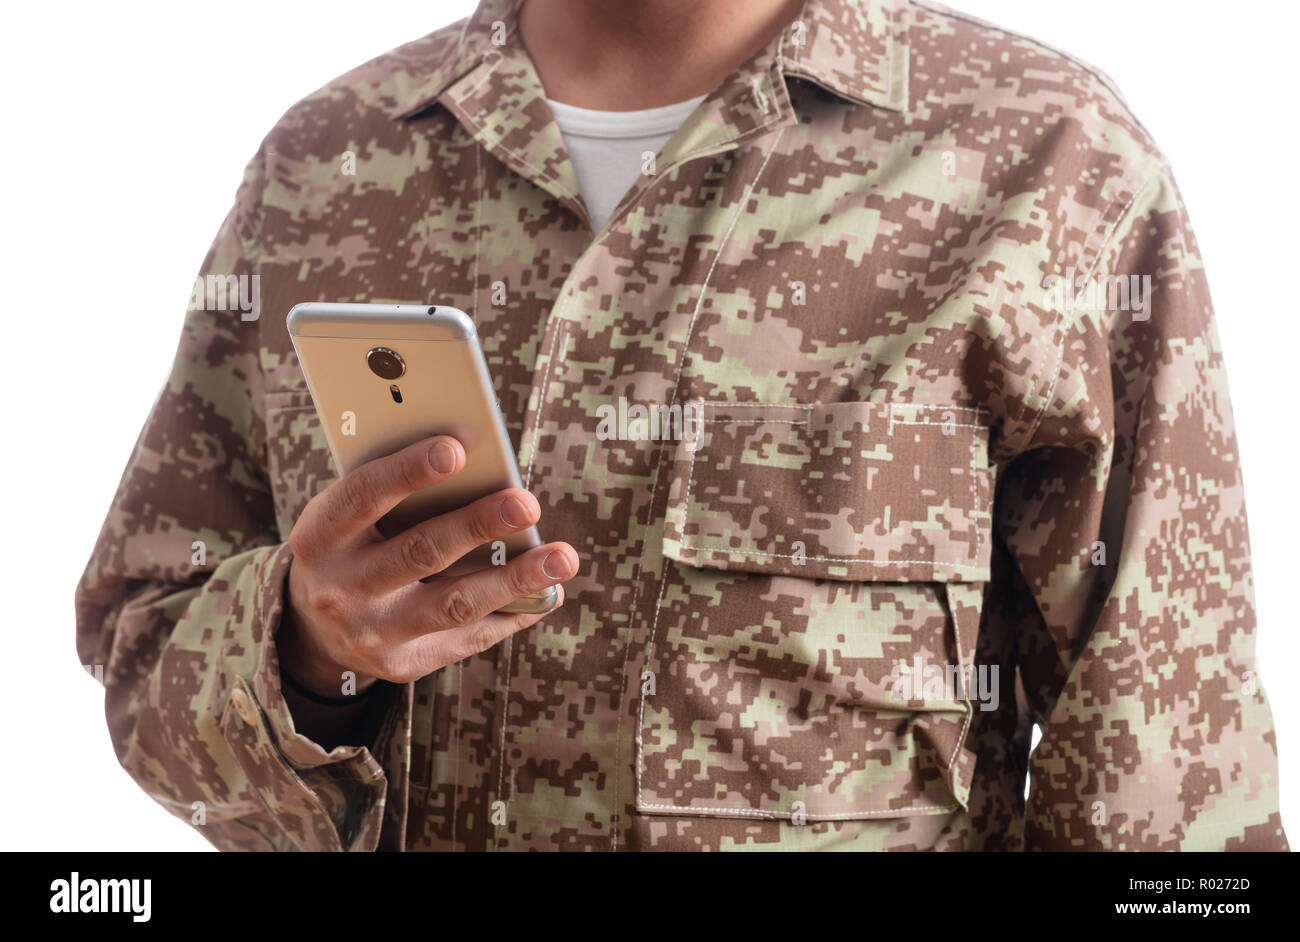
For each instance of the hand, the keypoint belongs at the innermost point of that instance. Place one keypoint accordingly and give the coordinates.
(355, 601)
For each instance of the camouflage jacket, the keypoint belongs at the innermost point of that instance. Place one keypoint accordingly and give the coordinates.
(966, 465)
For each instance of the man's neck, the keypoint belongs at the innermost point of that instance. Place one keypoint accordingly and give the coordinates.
(627, 55)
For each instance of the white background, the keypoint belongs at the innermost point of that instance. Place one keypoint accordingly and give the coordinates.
(125, 130)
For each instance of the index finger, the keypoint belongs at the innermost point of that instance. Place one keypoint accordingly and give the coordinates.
(356, 501)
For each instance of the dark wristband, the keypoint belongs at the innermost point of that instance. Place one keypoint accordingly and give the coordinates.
(316, 698)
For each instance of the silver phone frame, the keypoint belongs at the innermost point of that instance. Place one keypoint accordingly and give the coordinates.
(391, 325)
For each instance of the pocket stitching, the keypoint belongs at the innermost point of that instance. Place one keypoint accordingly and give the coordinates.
(779, 816)
(976, 510)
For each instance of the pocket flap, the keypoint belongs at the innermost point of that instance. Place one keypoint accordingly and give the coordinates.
(854, 491)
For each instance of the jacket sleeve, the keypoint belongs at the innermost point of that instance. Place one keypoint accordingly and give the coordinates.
(1124, 520)
(180, 602)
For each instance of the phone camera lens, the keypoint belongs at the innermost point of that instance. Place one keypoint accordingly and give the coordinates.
(385, 363)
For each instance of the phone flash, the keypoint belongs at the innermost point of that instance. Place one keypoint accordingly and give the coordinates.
(397, 393)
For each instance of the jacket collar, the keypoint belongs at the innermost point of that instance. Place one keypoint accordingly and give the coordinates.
(493, 26)
(855, 49)
(486, 80)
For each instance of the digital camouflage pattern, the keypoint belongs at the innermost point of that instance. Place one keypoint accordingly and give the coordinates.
(912, 453)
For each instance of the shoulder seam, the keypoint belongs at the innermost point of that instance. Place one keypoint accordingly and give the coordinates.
(1097, 73)
(1017, 446)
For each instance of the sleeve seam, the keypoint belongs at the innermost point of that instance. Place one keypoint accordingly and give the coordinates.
(1055, 367)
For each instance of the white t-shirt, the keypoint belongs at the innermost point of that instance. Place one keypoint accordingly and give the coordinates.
(606, 148)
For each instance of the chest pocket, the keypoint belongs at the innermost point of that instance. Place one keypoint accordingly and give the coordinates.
(298, 460)
(815, 635)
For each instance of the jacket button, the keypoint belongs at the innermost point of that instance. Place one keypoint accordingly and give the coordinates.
(243, 706)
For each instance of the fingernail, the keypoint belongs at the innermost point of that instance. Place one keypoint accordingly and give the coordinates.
(556, 566)
(443, 457)
(514, 513)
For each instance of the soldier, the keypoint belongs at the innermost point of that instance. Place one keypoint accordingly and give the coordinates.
(965, 460)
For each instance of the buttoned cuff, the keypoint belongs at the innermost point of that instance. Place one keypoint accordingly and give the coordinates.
(341, 799)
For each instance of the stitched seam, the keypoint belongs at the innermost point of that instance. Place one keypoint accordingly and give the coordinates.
(455, 786)
(460, 39)
(1059, 325)
(262, 740)
(686, 503)
(460, 665)
(722, 406)
(478, 226)
(542, 174)
(636, 591)
(753, 421)
(806, 70)
(974, 514)
(561, 325)
(716, 148)
(942, 424)
(701, 548)
(654, 497)
(970, 710)
(560, 328)
(718, 404)
(780, 816)
(801, 70)
(661, 172)
(495, 141)
(545, 175)
(507, 668)
(752, 132)
(889, 60)
(956, 627)
(471, 92)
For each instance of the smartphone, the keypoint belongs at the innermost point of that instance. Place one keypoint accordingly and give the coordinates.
(384, 376)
